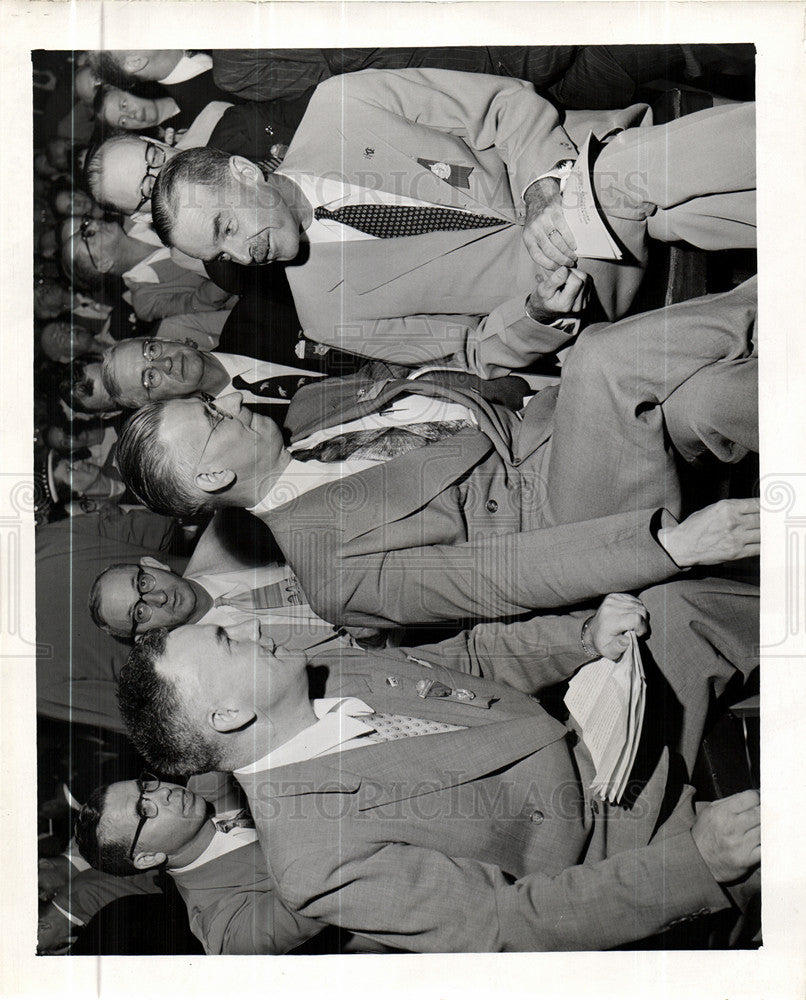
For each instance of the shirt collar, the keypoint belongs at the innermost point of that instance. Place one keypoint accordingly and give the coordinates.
(187, 68)
(339, 721)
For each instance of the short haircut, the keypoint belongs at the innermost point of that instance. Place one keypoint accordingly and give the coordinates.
(94, 601)
(94, 166)
(111, 856)
(75, 385)
(104, 65)
(111, 384)
(156, 721)
(158, 475)
(201, 165)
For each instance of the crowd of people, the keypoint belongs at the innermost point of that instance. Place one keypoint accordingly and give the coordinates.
(348, 457)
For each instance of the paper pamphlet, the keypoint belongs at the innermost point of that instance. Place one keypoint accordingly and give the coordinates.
(607, 699)
(581, 212)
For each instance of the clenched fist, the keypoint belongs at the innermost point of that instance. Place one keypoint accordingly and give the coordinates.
(618, 614)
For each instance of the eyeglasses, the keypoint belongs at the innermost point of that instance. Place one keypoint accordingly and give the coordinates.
(147, 784)
(155, 157)
(88, 229)
(215, 416)
(152, 377)
(141, 612)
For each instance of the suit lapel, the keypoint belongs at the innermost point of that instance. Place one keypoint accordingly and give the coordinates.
(384, 499)
(373, 158)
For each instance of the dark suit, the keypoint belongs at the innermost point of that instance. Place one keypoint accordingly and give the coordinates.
(521, 514)
(481, 839)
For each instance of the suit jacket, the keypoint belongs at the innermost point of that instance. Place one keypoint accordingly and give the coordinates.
(481, 839)
(252, 128)
(234, 909)
(418, 298)
(177, 292)
(454, 530)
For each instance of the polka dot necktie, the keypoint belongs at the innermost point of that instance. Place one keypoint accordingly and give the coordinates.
(399, 727)
(388, 221)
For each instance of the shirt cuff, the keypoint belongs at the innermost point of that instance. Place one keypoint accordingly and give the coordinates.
(559, 171)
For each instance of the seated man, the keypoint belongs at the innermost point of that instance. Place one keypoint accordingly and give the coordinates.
(470, 165)
(371, 785)
(442, 506)
(129, 599)
(158, 283)
(213, 857)
(139, 370)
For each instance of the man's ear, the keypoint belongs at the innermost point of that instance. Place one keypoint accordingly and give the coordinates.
(154, 563)
(134, 62)
(244, 170)
(227, 720)
(144, 860)
(212, 482)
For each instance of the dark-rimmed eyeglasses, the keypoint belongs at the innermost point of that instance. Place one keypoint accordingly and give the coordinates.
(155, 157)
(141, 612)
(147, 784)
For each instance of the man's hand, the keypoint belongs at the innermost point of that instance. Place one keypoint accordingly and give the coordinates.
(617, 615)
(558, 293)
(727, 834)
(545, 232)
(730, 529)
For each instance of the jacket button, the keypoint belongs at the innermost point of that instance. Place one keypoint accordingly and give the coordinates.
(537, 817)
(492, 506)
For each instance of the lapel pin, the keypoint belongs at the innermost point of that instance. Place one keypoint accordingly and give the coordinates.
(369, 152)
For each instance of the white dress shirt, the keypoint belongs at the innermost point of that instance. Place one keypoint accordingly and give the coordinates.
(187, 68)
(221, 844)
(252, 370)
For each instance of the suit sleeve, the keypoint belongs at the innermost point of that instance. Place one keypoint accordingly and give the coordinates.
(256, 922)
(188, 293)
(487, 346)
(386, 892)
(528, 655)
(488, 578)
(485, 111)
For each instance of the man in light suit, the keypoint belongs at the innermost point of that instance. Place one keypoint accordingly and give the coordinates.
(212, 855)
(488, 147)
(450, 507)
(428, 809)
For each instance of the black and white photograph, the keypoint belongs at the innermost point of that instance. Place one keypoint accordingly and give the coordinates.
(393, 515)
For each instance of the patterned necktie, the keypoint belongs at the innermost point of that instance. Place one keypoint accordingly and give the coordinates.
(387, 221)
(242, 819)
(274, 595)
(382, 443)
(398, 727)
(277, 387)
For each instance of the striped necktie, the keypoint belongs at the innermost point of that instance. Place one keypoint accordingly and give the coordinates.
(388, 221)
(282, 594)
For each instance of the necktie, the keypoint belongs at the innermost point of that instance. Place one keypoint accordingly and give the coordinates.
(274, 595)
(381, 443)
(279, 386)
(398, 727)
(387, 221)
(242, 819)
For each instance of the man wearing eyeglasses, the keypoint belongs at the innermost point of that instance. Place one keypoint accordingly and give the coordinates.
(129, 599)
(139, 370)
(159, 283)
(213, 857)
